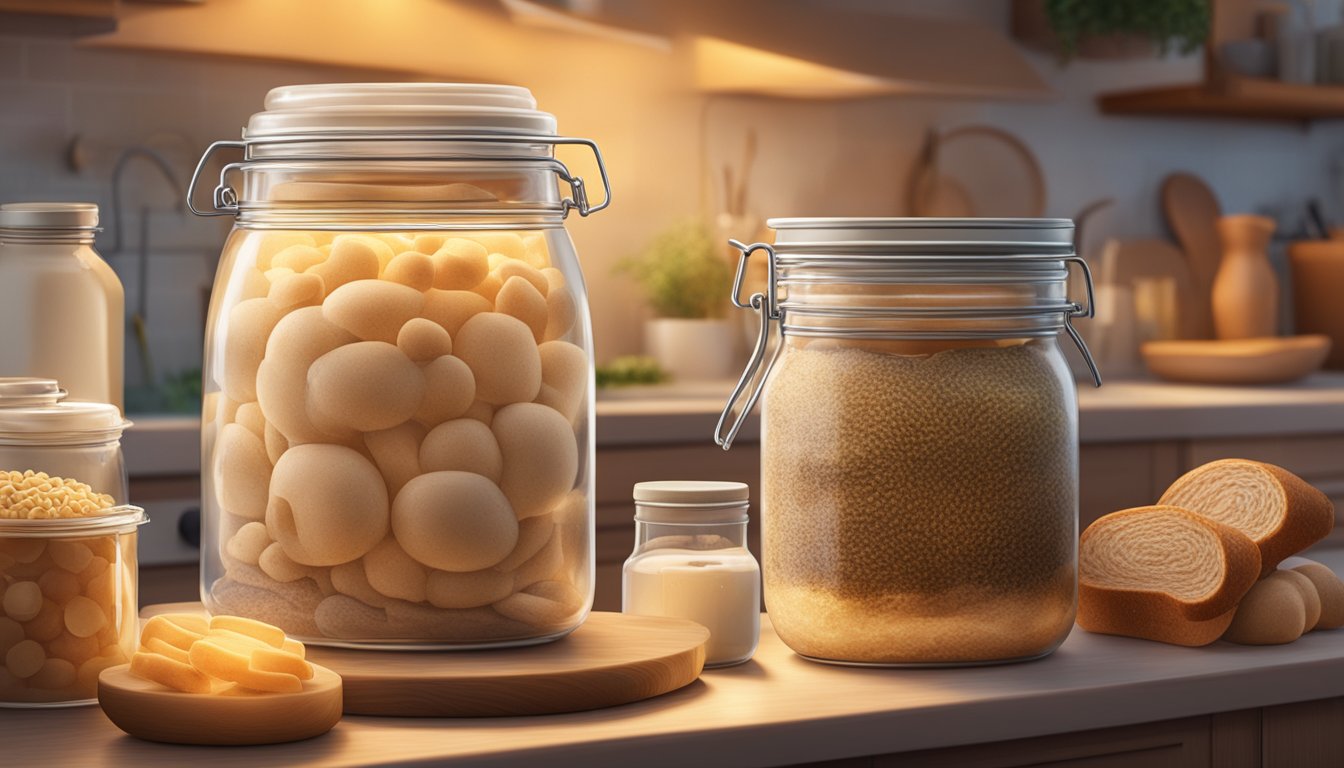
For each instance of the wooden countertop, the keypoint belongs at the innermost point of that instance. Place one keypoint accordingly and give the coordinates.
(777, 709)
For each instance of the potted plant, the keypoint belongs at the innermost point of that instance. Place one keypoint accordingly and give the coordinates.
(686, 280)
(1111, 29)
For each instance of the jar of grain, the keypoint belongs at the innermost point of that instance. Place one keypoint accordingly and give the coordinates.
(398, 406)
(919, 438)
(42, 432)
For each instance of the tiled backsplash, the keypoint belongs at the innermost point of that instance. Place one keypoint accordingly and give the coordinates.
(54, 94)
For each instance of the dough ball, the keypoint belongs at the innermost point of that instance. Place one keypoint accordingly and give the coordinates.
(55, 674)
(394, 573)
(249, 415)
(468, 590)
(541, 457)
(299, 338)
(538, 253)
(537, 611)
(271, 243)
(276, 444)
(450, 389)
(365, 386)
(451, 309)
(488, 288)
(383, 247)
(350, 260)
(555, 279)
(23, 599)
(412, 269)
(49, 622)
(503, 358)
(511, 268)
(296, 258)
(275, 274)
(508, 244)
(564, 377)
(1331, 592)
(248, 543)
(58, 585)
(533, 534)
(350, 579)
(255, 285)
(1272, 613)
(328, 504)
(72, 556)
(482, 412)
(396, 451)
(454, 521)
(1311, 600)
(296, 291)
(561, 313)
(275, 563)
(543, 565)
(250, 324)
(518, 298)
(242, 472)
(373, 310)
(428, 242)
(462, 445)
(459, 264)
(423, 340)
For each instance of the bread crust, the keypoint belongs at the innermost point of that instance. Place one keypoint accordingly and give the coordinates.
(1309, 515)
(1157, 615)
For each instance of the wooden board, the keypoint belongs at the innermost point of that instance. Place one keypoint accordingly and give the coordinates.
(611, 659)
(149, 711)
(1237, 361)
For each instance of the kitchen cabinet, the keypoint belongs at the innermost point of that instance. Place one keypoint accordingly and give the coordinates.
(58, 17)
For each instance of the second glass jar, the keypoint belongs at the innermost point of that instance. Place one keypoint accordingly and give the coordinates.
(919, 438)
(398, 374)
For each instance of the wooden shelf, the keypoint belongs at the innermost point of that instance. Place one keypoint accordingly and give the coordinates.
(1232, 97)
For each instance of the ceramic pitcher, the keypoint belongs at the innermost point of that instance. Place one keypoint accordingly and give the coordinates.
(1245, 290)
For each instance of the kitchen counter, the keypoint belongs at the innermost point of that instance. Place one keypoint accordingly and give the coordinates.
(1117, 412)
(779, 709)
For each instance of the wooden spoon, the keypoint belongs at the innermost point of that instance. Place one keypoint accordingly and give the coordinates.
(1192, 212)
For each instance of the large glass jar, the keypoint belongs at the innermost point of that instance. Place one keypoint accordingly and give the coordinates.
(398, 373)
(919, 438)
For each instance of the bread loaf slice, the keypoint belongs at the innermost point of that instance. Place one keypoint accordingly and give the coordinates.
(1163, 573)
(1280, 511)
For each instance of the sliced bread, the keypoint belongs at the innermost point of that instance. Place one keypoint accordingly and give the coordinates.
(1280, 511)
(1163, 573)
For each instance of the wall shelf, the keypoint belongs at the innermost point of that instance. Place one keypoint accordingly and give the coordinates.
(1232, 97)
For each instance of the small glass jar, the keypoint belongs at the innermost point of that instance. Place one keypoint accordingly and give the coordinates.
(69, 604)
(42, 432)
(398, 402)
(61, 306)
(919, 438)
(691, 562)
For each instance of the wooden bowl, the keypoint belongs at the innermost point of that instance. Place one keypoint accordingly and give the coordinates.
(1270, 360)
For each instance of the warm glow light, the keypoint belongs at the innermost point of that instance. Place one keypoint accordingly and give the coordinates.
(538, 15)
(725, 67)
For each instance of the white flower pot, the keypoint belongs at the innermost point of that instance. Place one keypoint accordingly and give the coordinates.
(693, 350)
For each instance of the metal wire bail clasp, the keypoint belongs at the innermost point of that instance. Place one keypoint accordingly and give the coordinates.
(1084, 312)
(753, 378)
(224, 199)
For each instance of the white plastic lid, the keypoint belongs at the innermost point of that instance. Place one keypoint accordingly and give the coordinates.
(31, 412)
(341, 109)
(49, 216)
(691, 502)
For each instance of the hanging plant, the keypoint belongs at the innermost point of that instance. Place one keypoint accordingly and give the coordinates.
(1182, 25)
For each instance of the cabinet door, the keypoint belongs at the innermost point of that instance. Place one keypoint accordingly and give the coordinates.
(1168, 744)
(1116, 476)
(59, 17)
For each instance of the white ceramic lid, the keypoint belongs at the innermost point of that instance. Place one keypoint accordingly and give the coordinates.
(698, 502)
(49, 216)
(341, 109)
(18, 391)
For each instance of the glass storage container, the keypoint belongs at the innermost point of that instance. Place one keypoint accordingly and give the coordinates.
(69, 608)
(398, 414)
(691, 562)
(62, 307)
(919, 438)
(42, 432)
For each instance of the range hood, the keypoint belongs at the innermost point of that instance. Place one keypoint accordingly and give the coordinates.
(805, 49)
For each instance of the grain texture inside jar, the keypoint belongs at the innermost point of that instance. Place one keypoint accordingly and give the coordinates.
(920, 508)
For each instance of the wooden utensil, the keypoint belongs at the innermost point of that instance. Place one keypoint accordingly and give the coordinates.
(1192, 211)
(611, 659)
(152, 712)
(1237, 361)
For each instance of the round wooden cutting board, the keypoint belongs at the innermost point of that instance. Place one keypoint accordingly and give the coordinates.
(612, 659)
